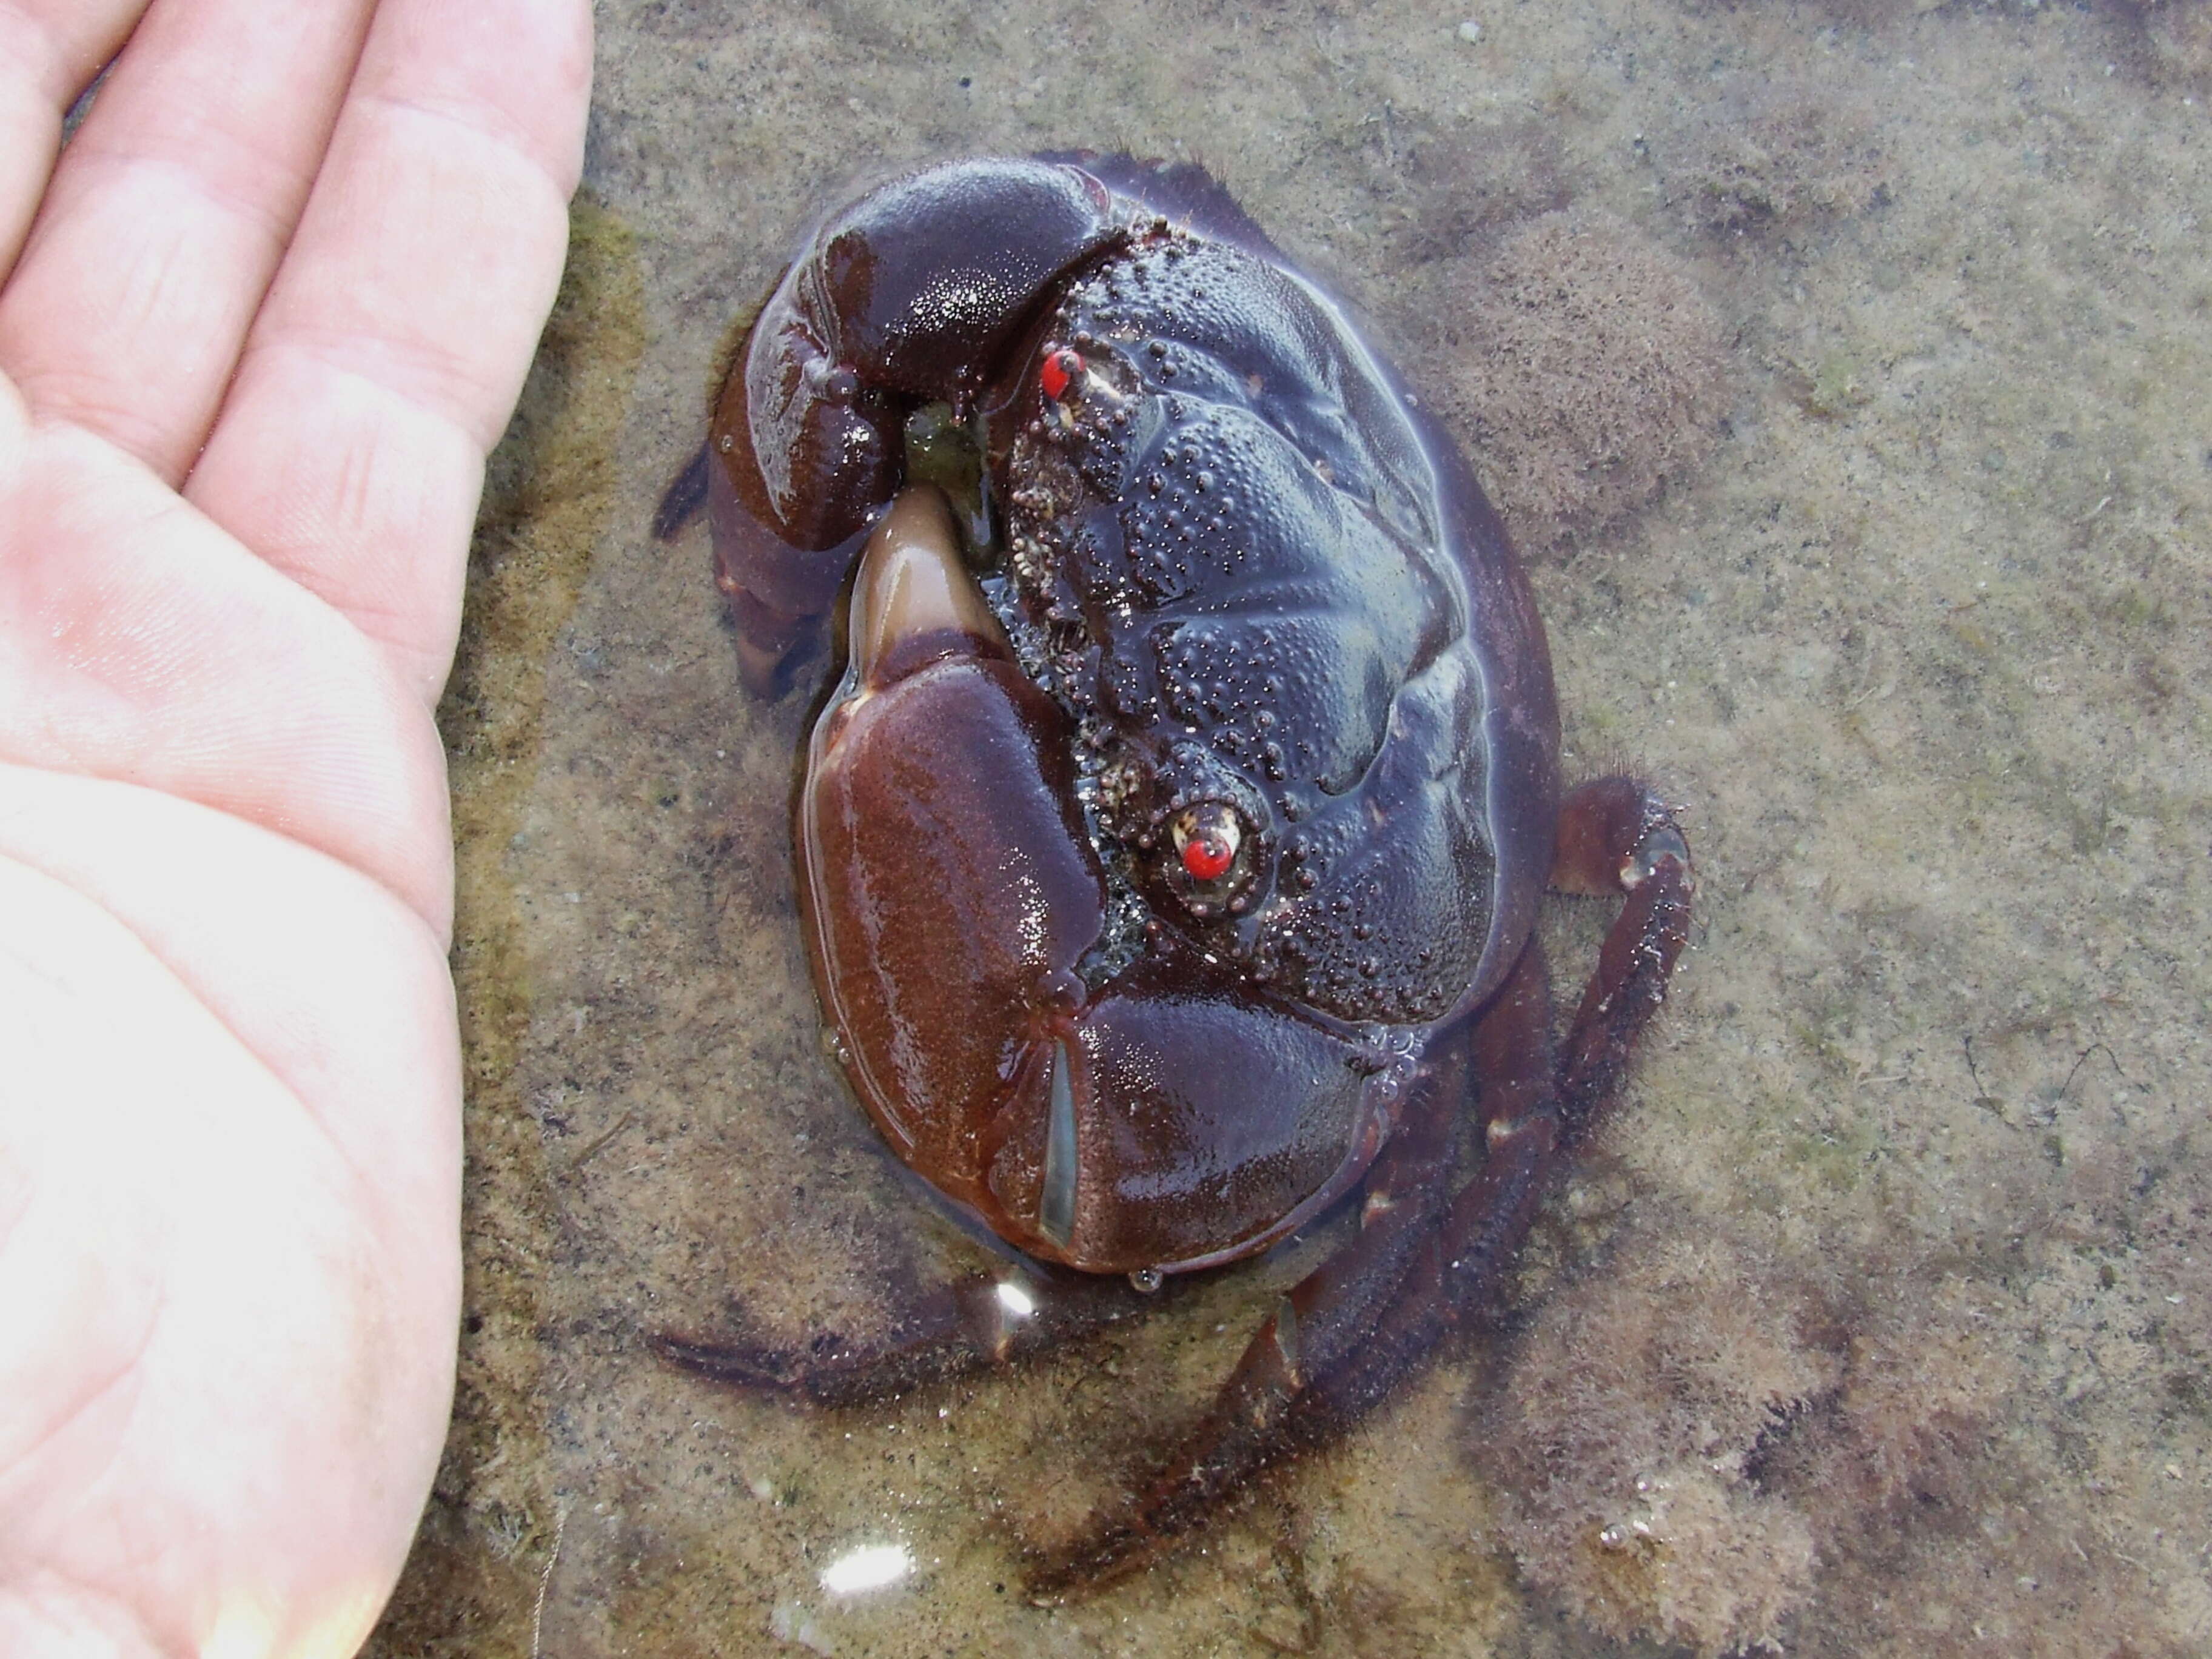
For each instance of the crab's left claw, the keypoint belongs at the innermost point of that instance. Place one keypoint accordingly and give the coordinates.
(949, 887)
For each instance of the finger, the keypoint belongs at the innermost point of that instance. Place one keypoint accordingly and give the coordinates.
(393, 343)
(49, 50)
(170, 210)
(139, 642)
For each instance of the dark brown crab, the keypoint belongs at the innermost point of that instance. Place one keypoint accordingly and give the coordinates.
(1176, 874)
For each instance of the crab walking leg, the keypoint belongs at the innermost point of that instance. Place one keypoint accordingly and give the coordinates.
(983, 1321)
(1537, 1107)
(1349, 1332)
(1616, 835)
(1319, 1327)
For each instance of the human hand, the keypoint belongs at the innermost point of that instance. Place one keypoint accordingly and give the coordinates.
(258, 327)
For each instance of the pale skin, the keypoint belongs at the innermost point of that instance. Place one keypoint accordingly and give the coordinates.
(260, 321)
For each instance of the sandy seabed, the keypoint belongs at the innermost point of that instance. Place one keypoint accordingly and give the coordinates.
(1846, 372)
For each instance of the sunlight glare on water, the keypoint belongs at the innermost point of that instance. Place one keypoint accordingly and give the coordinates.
(868, 1567)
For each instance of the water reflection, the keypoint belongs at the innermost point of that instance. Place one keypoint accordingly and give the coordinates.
(868, 1567)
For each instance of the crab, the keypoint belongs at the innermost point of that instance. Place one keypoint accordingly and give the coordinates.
(1168, 853)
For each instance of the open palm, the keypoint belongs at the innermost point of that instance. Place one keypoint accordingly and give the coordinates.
(260, 323)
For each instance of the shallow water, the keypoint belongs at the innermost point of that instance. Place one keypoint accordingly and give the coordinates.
(1879, 1321)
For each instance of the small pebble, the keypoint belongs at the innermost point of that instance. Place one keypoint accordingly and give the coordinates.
(1470, 31)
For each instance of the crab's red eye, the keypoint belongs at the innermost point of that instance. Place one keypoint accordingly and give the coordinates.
(1206, 837)
(1209, 858)
(1061, 366)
